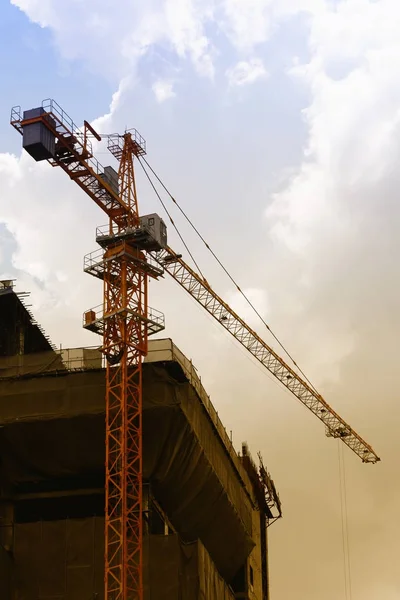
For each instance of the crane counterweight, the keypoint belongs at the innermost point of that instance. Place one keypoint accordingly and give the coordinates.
(37, 139)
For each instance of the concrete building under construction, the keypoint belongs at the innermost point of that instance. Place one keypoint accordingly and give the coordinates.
(206, 507)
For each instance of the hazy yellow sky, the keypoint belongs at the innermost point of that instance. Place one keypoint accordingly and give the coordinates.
(276, 124)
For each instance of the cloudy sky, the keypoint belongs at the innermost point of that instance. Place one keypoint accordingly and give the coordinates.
(276, 125)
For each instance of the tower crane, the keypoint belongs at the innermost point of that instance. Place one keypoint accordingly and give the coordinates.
(132, 249)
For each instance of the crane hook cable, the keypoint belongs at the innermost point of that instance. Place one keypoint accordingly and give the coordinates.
(141, 160)
(344, 524)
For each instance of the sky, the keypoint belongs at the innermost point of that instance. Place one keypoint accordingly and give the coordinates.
(275, 124)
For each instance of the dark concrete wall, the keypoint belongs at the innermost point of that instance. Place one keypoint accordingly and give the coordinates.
(6, 567)
(53, 438)
(64, 559)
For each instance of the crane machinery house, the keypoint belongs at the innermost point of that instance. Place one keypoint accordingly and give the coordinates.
(156, 228)
(38, 140)
(150, 235)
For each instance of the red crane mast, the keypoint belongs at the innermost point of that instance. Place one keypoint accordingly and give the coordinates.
(124, 319)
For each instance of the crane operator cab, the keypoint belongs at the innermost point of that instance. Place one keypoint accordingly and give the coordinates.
(155, 230)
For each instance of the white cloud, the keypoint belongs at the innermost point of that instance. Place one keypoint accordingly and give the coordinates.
(249, 23)
(113, 37)
(125, 86)
(339, 217)
(52, 229)
(353, 121)
(10, 169)
(163, 90)
(258, 299)
(246, 71)
(339, 213)
(44, 13)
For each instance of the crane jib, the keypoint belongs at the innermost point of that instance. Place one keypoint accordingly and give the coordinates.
(69, 147)
(201, 291)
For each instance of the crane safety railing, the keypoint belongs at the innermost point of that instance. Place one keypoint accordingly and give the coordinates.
(81, 165)
(152, 316)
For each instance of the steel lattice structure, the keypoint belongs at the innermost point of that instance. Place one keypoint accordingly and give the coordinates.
(125, 321)
(124, 345)
(200, 290)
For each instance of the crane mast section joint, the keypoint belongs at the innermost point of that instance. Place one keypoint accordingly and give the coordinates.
(201, 291)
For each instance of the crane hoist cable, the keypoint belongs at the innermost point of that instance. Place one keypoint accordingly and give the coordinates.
(344, 524)
(246, 298)
(198, 287)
